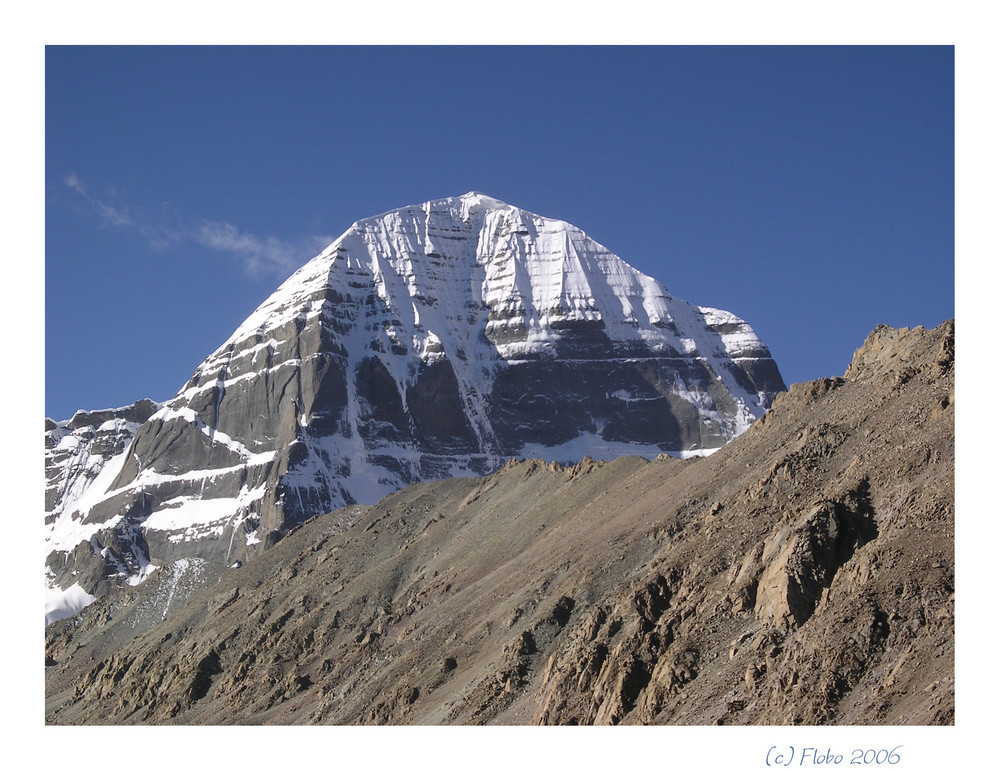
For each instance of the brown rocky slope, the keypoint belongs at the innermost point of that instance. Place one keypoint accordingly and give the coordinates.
(804, 573)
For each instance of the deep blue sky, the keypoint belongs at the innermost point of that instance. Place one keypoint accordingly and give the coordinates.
(809, 190)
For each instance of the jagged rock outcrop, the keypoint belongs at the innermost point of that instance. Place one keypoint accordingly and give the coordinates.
(83, 455)
(431, 341)
(76, 450)
(803, 574)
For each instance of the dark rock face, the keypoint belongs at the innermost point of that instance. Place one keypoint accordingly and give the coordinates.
(431, 341)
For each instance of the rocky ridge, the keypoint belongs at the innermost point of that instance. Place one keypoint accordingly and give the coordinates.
(803, 574)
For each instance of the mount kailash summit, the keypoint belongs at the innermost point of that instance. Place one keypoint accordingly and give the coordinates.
(431, 341)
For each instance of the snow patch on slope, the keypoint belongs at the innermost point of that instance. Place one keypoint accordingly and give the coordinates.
(63, 603)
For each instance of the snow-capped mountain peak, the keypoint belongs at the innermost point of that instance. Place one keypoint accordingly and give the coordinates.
(432, 340)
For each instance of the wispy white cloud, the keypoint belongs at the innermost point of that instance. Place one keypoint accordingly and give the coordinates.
(259, 256)
(104, 210)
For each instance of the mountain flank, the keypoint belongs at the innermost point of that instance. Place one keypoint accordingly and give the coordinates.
(802, 574)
